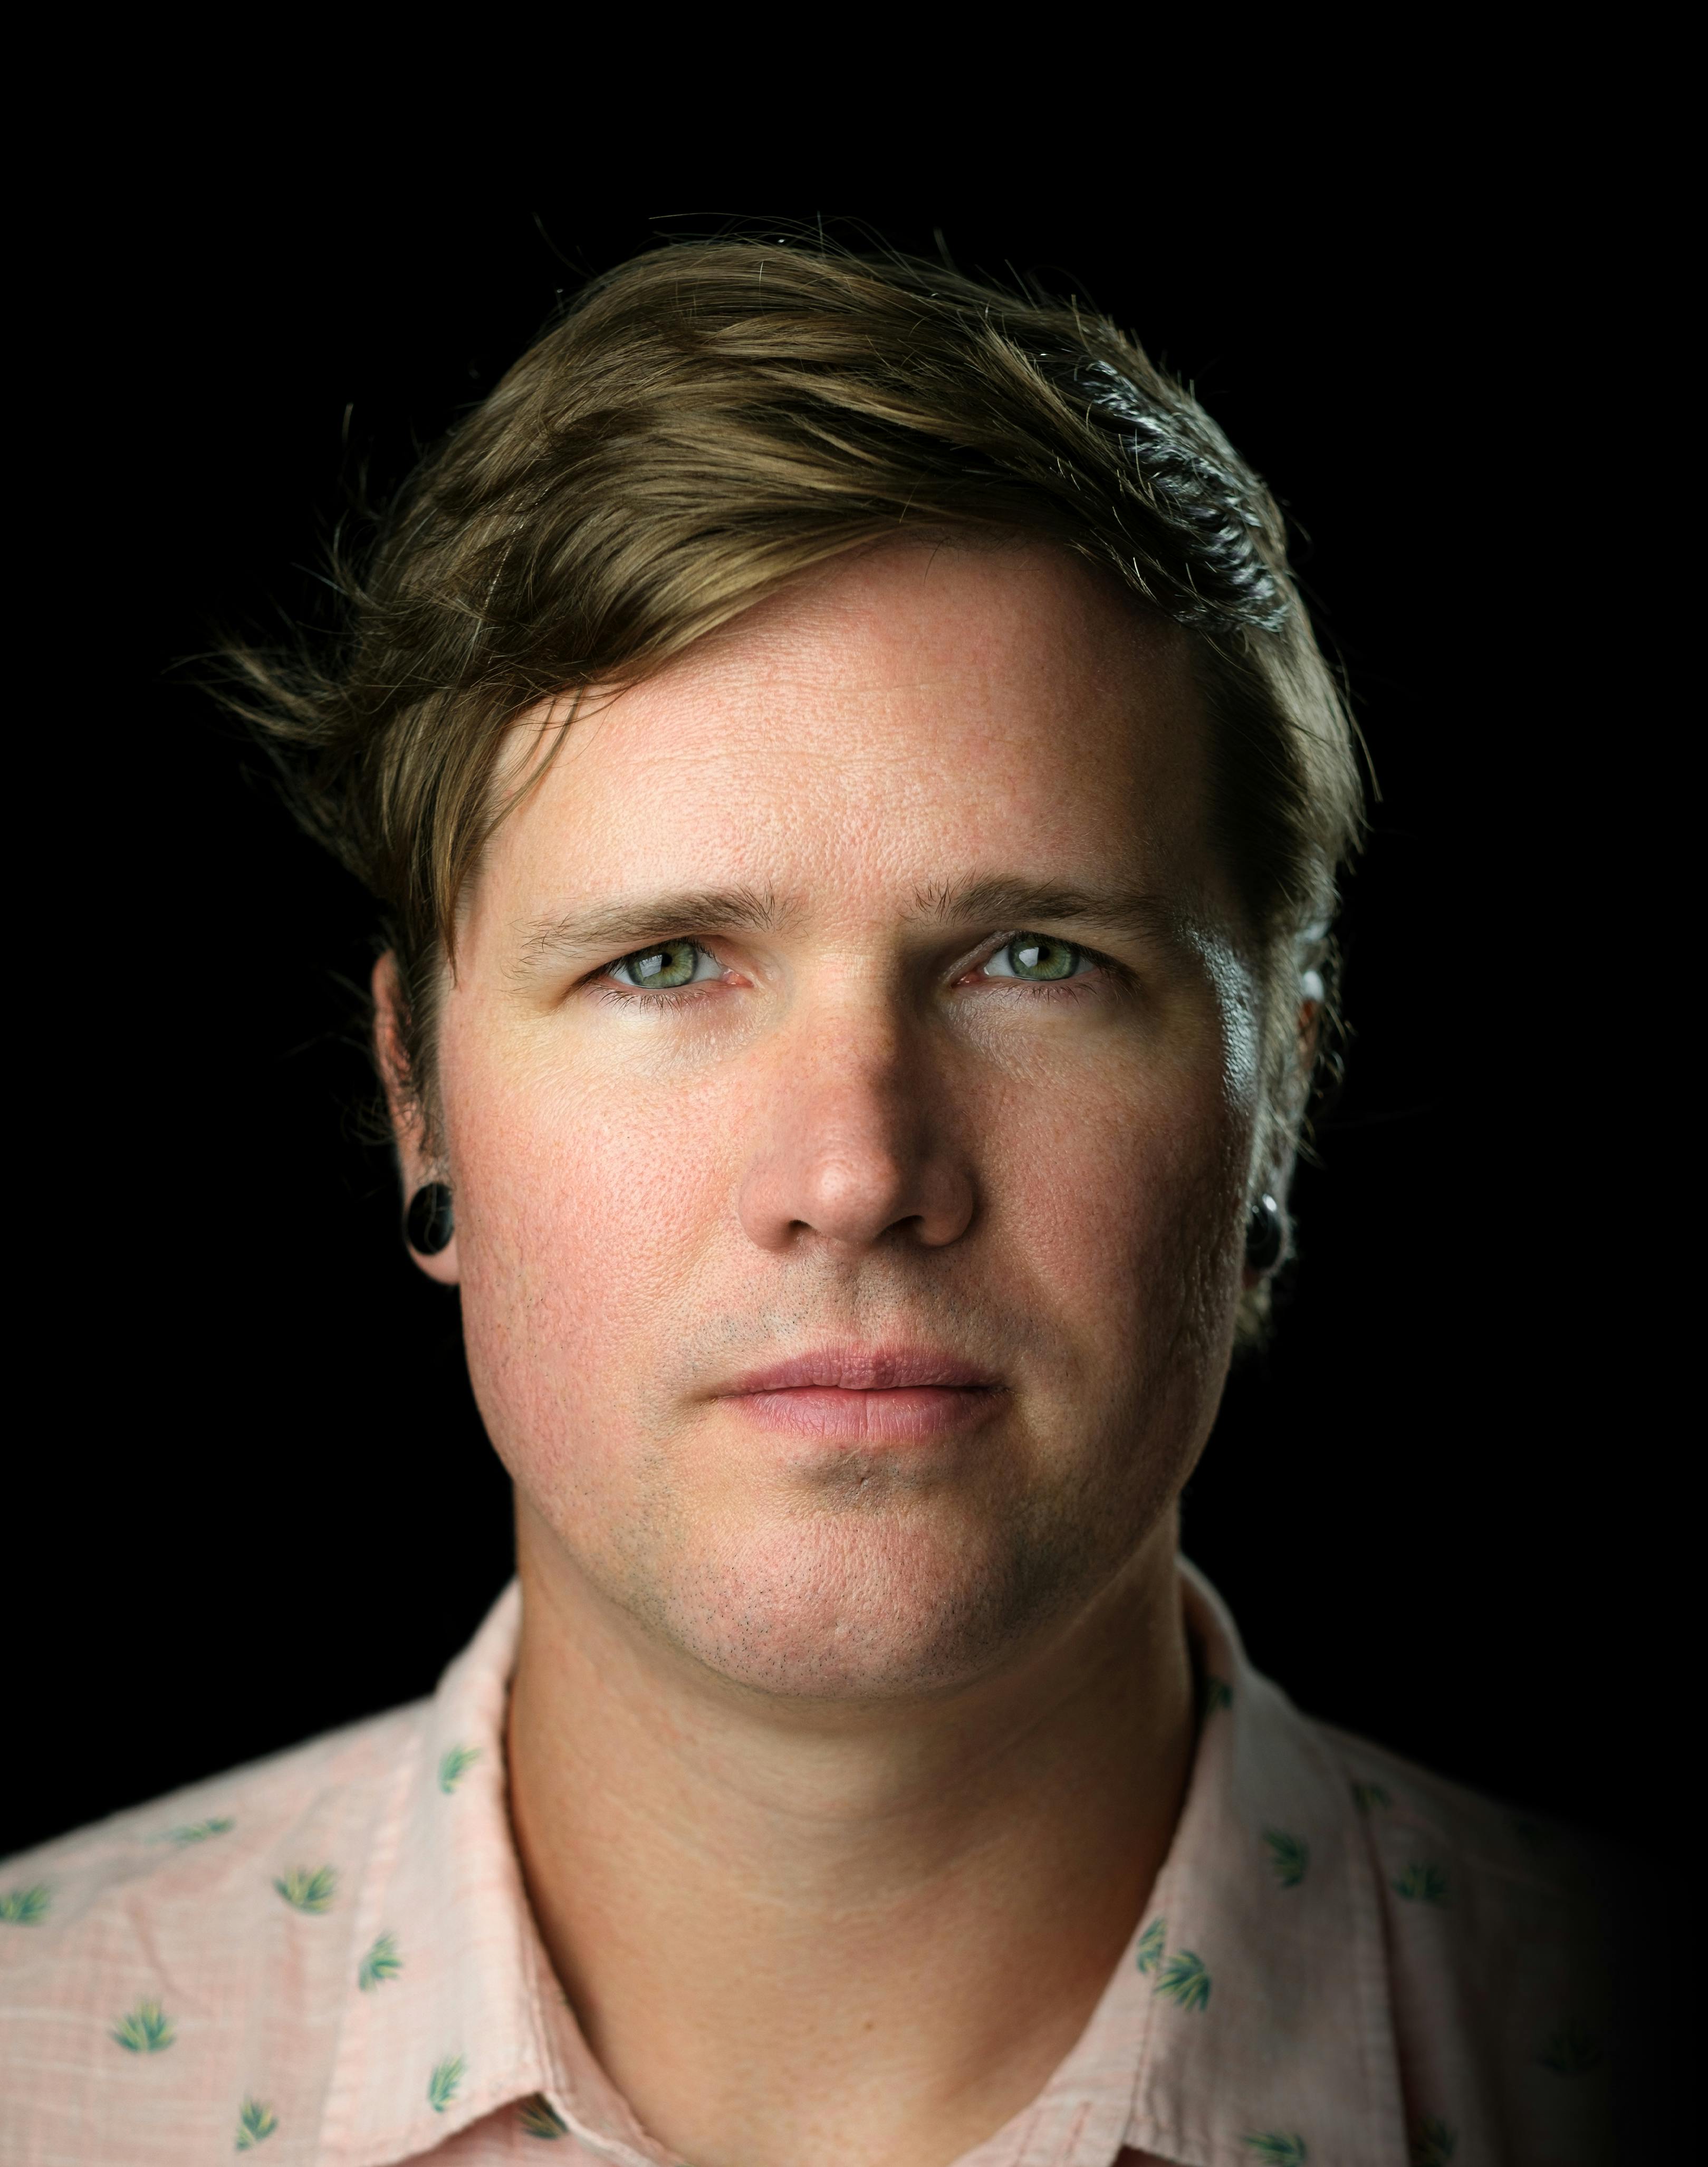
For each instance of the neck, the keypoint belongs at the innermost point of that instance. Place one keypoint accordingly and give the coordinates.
(796, 1934)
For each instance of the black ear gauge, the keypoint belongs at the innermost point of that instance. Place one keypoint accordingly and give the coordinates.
(429, 1223)
(1266, 1235)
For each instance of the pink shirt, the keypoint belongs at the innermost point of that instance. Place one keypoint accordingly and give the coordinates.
(329, 1956)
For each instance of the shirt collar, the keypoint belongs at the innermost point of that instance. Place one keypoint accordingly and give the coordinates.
(1249, 2021)
(472, 2019)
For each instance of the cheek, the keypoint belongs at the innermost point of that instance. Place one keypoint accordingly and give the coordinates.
(580, 1229)
(1126, 1211)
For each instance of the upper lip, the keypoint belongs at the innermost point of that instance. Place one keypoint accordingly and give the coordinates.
(862, 1369)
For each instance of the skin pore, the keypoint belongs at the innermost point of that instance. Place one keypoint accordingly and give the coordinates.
(848, 1280)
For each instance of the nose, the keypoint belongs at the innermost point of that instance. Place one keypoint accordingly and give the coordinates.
(857, 1145)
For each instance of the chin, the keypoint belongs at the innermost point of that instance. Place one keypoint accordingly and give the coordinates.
(847, 1606)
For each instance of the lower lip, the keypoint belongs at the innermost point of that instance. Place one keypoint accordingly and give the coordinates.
(904, 1415)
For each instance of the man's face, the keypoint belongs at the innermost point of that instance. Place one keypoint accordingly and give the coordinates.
(848, 1280)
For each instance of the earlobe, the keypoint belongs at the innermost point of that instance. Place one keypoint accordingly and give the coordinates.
(430, 1223)
(1264, 1247)
(1266, 1238)
(429, 1233)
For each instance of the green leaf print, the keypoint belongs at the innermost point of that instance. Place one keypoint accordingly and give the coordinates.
(1150, 1946)
(1185, 1980)
(1422, 1884)
(455, 1765)
(442, 2084)
(381, 1962)
(254, 2122)
(25, 1907)
(1572, 2051)
(539, 2118)
(1367, 1797)
(1289, 1856)
(199, 1832)
(1433, 2143)
(1217, 1693)
(304, 1891)
(1278, 2148)
(147, 2029)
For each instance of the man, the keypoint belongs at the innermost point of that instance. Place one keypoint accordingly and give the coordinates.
(856, 806)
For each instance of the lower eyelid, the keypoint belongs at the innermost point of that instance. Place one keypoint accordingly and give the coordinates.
(610, 988)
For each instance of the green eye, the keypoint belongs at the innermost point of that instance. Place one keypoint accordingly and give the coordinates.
(671, 963)
(1035, 955)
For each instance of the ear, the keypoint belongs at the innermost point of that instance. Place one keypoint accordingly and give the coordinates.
(405, 1109)
(1310, 1024)
(1307, 1037)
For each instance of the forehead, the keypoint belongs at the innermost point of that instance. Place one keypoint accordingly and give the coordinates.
(917, 717)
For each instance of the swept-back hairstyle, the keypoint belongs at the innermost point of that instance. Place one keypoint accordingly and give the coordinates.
(709, 419)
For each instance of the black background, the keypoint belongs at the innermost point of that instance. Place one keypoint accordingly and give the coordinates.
(249, 1497)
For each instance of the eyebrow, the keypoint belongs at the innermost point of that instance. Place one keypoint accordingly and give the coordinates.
(629, 925)
(1029, 904)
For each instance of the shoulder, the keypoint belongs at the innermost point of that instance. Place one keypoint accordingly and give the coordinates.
(196, 1841)
(150, 1948)
(1502, 1928)
(1493, 1850)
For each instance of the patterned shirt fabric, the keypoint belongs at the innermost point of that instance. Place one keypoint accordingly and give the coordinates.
(329, 1956)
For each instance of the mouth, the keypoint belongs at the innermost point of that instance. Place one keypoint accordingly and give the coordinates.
(869, 1395)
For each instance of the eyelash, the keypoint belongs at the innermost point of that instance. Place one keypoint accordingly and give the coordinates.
(601, 982)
